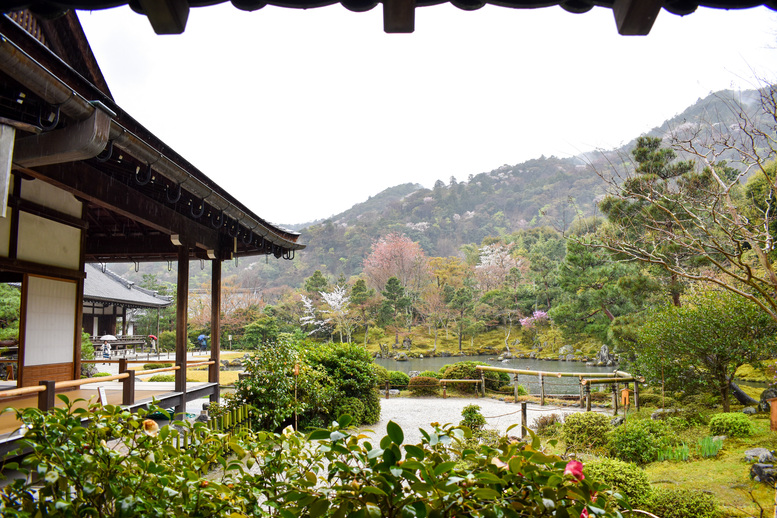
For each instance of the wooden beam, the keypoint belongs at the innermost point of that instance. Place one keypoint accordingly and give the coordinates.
(44, 270)
(92, 185)
(635, 17)
(398, 16)
(166, 16)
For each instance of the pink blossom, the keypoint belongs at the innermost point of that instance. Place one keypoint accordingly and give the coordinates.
(584, 514)
(575, 469)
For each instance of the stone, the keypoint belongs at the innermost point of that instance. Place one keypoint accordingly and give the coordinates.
(616, 421)
(764, 473)
(767, 394)
(760, 455)
(413, 374)
(567, 349)
(445, 354)
(750, 410)
(663, 413)
(401, 357)
(393, 392)
(570, 357)
(720, 438)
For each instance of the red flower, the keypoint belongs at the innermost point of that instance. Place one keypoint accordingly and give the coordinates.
(575, 469)
(584, 514)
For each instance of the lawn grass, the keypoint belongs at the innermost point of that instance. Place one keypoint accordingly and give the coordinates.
(727, 476)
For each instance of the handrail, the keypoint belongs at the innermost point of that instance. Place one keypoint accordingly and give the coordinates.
(594, 381)
(452, 381)
(22, 391)
(87, 381)
(616, 374)
(154, 371)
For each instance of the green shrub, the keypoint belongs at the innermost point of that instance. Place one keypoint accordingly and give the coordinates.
(424, 386)
(586, 431)
(353, 407)
(381, 374)
(87, 347)
(348, 368)
(656, 401)
(473, 419)
(152, 366)
(625, 477)
(548, 425)
(78, 471)
(468, 371)
(162, 377)
(732, 425)
(398, 380)
(682, 503)
(639, 440)
(430, 374)
(101, 374)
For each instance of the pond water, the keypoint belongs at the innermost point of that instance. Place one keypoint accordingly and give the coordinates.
(552, 385)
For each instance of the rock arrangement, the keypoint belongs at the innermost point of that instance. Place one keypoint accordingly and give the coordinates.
(763, 470)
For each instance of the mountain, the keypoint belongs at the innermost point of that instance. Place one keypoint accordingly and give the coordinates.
(544, 191)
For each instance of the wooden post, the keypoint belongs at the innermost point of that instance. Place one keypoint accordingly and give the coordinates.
(215, 327)
(181, 335)
(542, 390)
(636, 395)
(47, 398)
(482, 383)
(444, 390)
(515, 389)
(582, 400)
(388, 387)
(524, 418)
(588, 397)
(128, 384)
(615, 398)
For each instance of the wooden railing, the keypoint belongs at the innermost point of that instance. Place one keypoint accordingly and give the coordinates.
(46, 390)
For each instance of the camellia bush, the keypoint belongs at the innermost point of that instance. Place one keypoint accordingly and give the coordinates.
(124, 465)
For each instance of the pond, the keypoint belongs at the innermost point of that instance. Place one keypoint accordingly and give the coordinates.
(532, 384)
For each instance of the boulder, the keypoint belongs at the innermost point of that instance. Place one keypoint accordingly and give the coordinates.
(764, 473)
(393, 392)
(616, 421)
(750, 410)
(401, 357)
(570, 357)
(567, 349)
(766, 395)
(413, 374)
(760, 455)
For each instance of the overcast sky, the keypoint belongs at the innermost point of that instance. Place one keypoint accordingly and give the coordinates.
(300, 114)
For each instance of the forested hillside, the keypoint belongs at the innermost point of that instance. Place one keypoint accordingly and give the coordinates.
(546, 191)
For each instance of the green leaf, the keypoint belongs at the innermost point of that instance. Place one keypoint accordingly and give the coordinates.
(345, 420)
(373, 490)
(317, 435)
(486, 493)
(319, 507)
(336, 436)
(414, 451)
(395, 432)
(442, 468)
(489, 478)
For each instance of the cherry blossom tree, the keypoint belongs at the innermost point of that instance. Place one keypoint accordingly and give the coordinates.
(396, 255)
(340, 313)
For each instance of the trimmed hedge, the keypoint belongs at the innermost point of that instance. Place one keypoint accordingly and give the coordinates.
(586, 431)
(424, 386)
(732, 425)
(624, 477)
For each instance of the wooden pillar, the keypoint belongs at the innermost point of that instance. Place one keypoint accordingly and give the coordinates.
(588, 397)
(542, 390)
(388, 387)
(215, 325)
(524, 419)
(615, 398)
(128, 384)
(181, 335)
(482, 383)
(47, 398)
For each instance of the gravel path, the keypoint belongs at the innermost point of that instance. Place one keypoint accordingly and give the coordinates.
(414, 413)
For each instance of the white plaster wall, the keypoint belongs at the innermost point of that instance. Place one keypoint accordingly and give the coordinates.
(47, 242)
(50, 322)
(49, 196)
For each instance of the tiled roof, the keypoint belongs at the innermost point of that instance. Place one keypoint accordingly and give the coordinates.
(106, 286)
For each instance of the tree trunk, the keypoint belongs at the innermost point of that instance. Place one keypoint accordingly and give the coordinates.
(366, 333)
(724, 397)
(740, 396)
